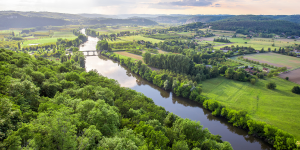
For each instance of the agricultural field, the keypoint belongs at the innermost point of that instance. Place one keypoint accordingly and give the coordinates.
(244, 63)
(279, 107)
(259, 43)
(44, 40)
(138, 37)
(63, 34)
(294, 75)
(134, 56)
(276, 60)
(110, 30)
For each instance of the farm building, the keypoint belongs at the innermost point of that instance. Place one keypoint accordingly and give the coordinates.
(266, 70)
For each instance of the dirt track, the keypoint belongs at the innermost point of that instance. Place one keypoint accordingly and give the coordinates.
(294, 76)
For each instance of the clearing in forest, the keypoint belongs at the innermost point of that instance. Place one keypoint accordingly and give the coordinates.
(276, 60)
(279, 107)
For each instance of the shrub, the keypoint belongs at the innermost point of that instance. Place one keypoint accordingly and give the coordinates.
(287, 78)
(271, 85)
(296, 89)
(252, 81)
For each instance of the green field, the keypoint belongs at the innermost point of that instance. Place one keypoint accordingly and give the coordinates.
(273, 58)
(278, 107)
(63, 34)
(259, 43)
(44, 40)
(138, 37)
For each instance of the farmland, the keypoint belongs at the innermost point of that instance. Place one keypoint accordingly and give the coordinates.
(43, 40)
(294, 76)
(276, 60)
(278, 107)
(134, 56)
(138, 37)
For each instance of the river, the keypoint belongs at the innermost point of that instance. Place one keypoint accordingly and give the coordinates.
(184, 108)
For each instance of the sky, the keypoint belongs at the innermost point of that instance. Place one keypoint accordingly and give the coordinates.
(113, 7)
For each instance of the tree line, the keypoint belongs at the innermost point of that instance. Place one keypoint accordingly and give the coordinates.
(274, 136)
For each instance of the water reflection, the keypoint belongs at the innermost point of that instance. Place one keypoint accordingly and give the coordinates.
(184, 108)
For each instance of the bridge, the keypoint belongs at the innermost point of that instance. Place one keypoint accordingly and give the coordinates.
(91, 52)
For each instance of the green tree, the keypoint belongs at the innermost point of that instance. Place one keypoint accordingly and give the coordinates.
(102, 45)
(271, 85)
(296, 89)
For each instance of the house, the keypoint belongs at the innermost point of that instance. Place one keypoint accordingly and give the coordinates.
(257, 51)
(266, 70)
(225, 51)
(296, 51)
(208, 66)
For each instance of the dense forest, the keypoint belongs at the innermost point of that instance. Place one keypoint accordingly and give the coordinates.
(257, 24)
(51, 105)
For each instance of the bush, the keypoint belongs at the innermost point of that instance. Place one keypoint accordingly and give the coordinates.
(296, 90)
(252, 81)
(271, 85)
(287, 78)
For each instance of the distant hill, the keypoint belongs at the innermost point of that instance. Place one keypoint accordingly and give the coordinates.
(291, 18)
(16, 19)
(133, 21)
(97, 16)
(44, 14)
(207, 19)
(257, 24)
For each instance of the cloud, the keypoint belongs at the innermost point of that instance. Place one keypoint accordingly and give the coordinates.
(197, 3)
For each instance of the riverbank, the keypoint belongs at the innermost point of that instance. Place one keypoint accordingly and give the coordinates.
(241, 119)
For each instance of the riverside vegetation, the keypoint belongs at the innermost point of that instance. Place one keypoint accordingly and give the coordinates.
(181, 75)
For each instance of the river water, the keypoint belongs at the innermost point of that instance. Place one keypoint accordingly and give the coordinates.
(184, 108)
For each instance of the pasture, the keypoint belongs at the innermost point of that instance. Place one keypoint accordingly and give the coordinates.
(43, 41)
(279, 107)
(276, 60)
(63, 34)
(259, 43)
(134, 56)
(136, 38)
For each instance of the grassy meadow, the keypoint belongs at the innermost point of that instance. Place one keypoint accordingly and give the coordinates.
(278, 107)
(63, 34)
(44, 40)
(273, 58)
(259, 43)
(137, 37)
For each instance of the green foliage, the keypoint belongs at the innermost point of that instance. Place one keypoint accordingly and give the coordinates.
(271, 85)
(102, 45)
(296, 90)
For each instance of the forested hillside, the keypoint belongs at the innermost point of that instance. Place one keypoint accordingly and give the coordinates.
(291, 18)
(12, 19)
(107, 21)
(15, 20)
(257, 24)
(51, 105)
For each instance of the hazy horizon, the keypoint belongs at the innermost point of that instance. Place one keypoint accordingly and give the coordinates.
(186, 7)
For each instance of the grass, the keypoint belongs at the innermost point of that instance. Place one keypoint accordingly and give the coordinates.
(132, 56)
(278, 107)
(288, 61)
(138, 37)
(63, 34)
(44, 40)
(259, 43)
